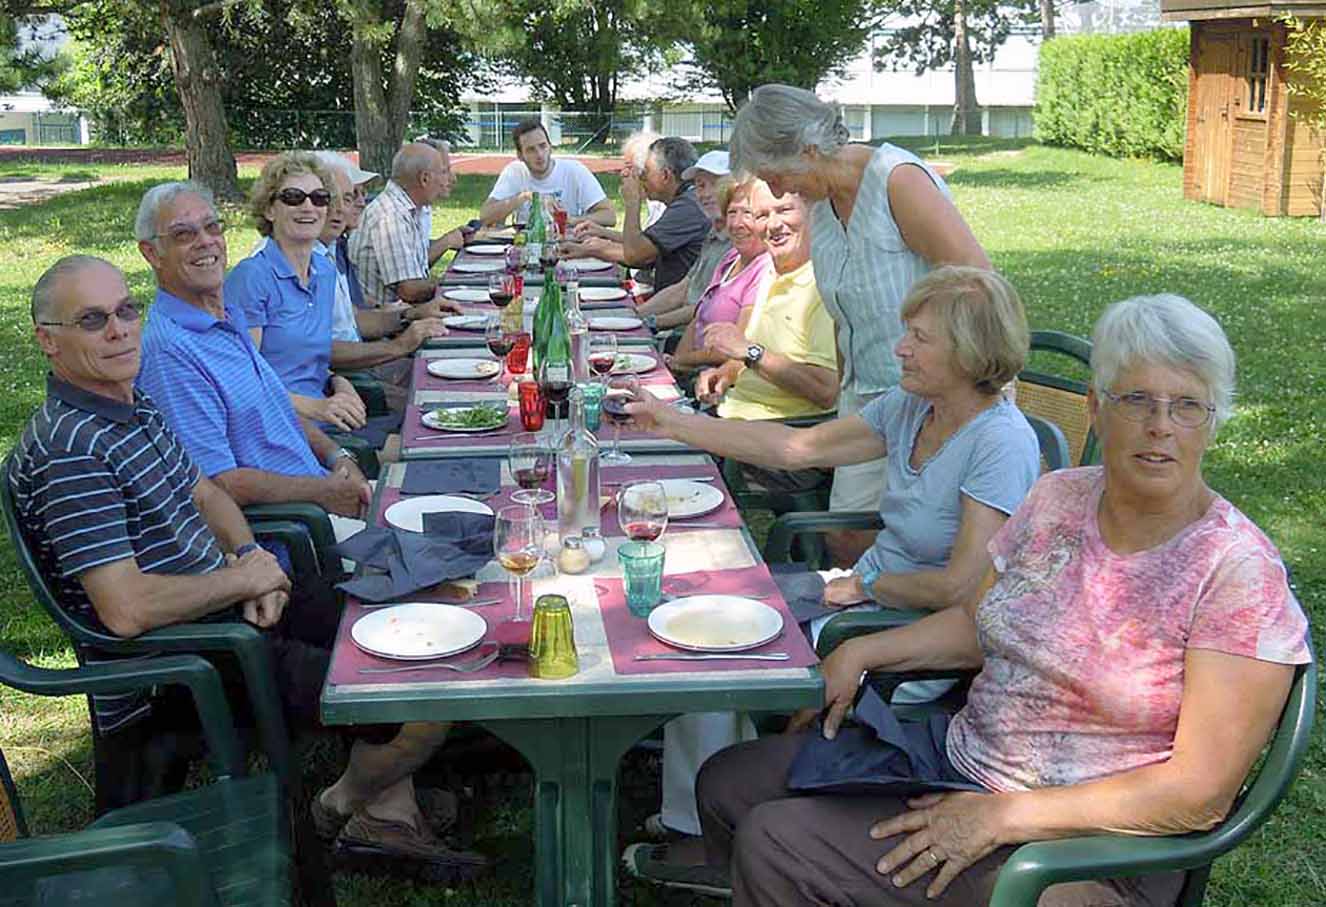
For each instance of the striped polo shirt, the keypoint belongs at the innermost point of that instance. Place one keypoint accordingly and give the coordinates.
(95, 481)
(221, 397)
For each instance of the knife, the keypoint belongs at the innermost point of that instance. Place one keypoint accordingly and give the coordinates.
(482, 603)
(767, 656)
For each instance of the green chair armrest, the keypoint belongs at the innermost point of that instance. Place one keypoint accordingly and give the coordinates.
(778, 547)
(370, 391)
(366, 454)
(852, 624)
(314, 520)
(161, 845)
(138, 674)
(303, 556)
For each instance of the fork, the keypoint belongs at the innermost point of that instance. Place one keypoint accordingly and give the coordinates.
(468, 667)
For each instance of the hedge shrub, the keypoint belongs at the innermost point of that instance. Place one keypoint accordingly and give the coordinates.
(1121, 95)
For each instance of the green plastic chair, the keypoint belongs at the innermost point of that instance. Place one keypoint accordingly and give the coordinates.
(1058, 398)
(226, 843)
(370, 391)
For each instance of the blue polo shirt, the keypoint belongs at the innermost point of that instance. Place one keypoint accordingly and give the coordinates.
(296, 320)
(224, 401)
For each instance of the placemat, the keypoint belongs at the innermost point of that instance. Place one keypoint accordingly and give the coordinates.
(629, 635)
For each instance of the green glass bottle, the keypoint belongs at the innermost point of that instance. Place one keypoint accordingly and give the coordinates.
(546, 314)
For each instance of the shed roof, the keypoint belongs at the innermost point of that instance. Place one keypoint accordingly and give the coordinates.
(1183, 10)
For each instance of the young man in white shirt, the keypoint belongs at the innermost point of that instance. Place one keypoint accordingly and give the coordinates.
(536, 170)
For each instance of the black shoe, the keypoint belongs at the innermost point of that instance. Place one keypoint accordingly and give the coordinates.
(650, 862)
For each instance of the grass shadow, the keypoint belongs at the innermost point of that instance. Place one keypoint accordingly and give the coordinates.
(1001, 178)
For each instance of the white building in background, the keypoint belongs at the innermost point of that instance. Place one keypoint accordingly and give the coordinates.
(29, 118)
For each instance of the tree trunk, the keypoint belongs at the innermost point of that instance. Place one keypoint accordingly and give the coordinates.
(198, 81)
(382, 108)
(966, 113)
(1047, 19)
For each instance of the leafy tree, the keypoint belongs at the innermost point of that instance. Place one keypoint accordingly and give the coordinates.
(1305, 58)
(737, 45)
(958, 32)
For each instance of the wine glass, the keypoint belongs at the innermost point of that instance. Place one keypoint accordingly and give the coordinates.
(500, 289)
(498, 340)
(518, 543)
(622, 389)
(642, 510)
(555, 380)
(531, 462)
(602, 355)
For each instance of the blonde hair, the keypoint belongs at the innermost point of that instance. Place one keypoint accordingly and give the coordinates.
(730, 189)
(274, 173)
(983, 317)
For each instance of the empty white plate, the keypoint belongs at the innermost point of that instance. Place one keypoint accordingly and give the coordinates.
(408, 513)
(614, 323)
(633, 364)
(477, 267)
(598, 294)
(462, 369)
(466, 294)
(687, 498)
(589, 264)
(715, 623)
(486, 249)
(414, 631)
(466, 322)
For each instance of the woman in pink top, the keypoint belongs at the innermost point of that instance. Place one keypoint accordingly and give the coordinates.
(1136, 639)
(736, 281)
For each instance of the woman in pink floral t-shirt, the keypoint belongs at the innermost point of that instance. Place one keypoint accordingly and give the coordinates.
(1136, 638)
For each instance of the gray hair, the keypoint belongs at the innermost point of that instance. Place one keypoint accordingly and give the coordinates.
(635, 147)
(779, 122)
(678, 155)
(440, 145)
(156, 198)
(43, 291)
(335, 162)
(412, 160)
(1164, 330)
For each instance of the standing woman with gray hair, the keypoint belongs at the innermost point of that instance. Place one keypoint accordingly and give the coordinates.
(880, 220)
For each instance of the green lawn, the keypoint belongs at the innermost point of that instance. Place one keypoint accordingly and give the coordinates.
(1073, 232)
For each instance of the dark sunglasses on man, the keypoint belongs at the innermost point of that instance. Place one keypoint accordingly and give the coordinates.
(293, 197)
(95, 319)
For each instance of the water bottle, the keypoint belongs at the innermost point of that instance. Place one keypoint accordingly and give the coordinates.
(577, 325)
(578, 476)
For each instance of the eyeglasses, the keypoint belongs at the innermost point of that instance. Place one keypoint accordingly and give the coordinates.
(187, 234)
(293, 197)
(95, 320)
(1139, 406)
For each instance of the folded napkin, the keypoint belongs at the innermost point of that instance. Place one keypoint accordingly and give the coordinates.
(881, 756)
(451, 477)
(396, 562)
(803, 590)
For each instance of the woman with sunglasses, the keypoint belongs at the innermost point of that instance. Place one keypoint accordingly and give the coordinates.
(287, 293)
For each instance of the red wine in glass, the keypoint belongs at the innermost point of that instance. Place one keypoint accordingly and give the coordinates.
(602, 363)
(644, 531)
(557, 391)
(614, 407)
(500, 346)
(500, 298)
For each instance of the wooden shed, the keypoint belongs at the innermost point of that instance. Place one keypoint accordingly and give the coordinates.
(1243, 148)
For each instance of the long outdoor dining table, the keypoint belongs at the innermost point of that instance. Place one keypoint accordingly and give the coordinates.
(600, 277)
(428, 392)
(472, 337)
(573, 732)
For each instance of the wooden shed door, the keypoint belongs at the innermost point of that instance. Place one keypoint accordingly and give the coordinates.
(1215, 81)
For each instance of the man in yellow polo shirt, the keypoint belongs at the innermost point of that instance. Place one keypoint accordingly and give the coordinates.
(785, 363)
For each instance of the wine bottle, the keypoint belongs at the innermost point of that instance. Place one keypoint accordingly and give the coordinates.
(578, 475)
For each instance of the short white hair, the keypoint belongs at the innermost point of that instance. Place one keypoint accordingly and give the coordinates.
(635, 148)
(156, 198)
(780, 122)
(335, 162)
(1164, 330)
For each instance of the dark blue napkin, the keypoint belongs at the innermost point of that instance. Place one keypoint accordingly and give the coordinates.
(451, 477)
(396, 562)
(803, 590)
(880, 756)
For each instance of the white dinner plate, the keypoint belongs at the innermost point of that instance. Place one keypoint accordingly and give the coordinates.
(478, 267)
(687, 498)
(486, 249)
(501, 233)
(589, 264)
(633, 364)
(408, 513)
(466, 294)
(466, 322)
(599, 294)
(463, 369)
(413, 631)
(614, 323)
(430, 419)
(715, 623)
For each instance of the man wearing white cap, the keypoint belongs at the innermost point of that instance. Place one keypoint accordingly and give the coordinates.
(536, 170)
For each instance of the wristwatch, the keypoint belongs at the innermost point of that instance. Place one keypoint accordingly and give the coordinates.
(343, 452)
(754, 353)
(246, 548)
(868, 580)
